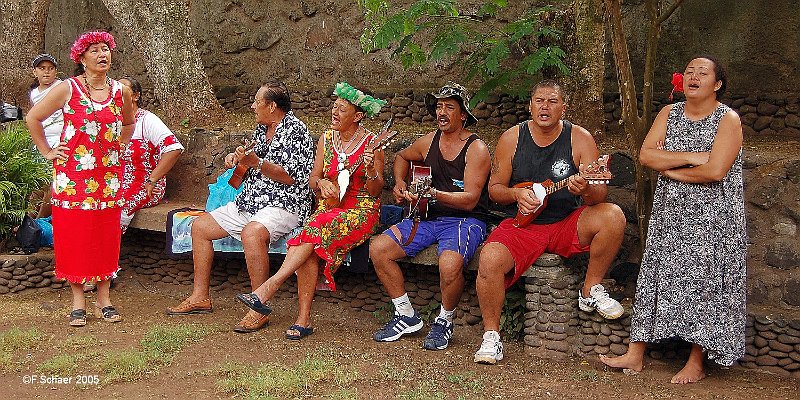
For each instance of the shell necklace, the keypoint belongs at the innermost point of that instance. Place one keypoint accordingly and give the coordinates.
(342, 152)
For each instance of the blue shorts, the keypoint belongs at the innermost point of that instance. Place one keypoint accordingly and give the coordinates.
(461, 235)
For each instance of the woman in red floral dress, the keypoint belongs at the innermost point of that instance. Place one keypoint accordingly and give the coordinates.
(86, 197)
(332, 232)
(152, 152)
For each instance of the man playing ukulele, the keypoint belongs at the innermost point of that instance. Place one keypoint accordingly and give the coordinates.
(573, 221)
(459, 164)
(274, 200)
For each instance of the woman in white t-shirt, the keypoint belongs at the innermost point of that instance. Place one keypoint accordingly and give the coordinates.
(45, 69)
(152, 152)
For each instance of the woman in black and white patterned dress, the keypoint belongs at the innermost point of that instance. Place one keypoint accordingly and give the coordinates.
(692, 280)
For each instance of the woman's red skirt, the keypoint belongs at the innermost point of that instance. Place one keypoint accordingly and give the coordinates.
(86, 243)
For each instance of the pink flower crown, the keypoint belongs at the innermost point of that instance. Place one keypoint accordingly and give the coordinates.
(87, 39)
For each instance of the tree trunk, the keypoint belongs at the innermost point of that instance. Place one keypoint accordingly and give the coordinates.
(161, 30)
(635, 124)
(588, 66)
(22, 25)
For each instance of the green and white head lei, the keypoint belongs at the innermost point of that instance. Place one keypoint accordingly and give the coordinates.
(369, 104)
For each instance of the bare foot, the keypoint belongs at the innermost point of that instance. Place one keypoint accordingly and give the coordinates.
(689, 374)
(626, 361)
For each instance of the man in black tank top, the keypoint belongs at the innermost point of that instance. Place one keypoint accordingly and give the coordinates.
(572, 221)
(459, 164)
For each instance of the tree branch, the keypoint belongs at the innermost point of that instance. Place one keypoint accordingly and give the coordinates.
(663, 17)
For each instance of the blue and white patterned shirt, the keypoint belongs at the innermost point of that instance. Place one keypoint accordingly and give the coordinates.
(293, 149)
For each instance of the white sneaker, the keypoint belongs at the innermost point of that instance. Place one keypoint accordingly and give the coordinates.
(599, 300)
(491, 350)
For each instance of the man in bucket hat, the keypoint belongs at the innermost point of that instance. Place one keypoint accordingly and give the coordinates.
(546, 147)
(459, 165)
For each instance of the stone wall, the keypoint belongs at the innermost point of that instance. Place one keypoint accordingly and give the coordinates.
(762, 116)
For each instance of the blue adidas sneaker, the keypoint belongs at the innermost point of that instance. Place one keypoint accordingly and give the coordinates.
(398, 326)
(439, 336)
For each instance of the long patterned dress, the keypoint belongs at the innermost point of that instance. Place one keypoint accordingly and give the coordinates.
(336, 231)
(692, 280)
(86, 187)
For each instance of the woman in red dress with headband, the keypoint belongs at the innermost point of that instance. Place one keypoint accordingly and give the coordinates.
(86, 195)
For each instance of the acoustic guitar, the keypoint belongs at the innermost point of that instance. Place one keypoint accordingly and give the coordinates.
(420, 184)
(379, 142)
(596, 173)
(238, 174)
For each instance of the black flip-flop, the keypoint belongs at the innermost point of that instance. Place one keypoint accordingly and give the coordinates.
(301, 330)
(252, 301)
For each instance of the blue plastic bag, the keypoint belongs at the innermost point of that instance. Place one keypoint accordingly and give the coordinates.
(220, 192)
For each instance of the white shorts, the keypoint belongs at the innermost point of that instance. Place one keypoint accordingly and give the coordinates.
(278, 221)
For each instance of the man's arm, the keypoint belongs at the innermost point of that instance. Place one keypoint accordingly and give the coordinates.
(585, 152)
(475, 174)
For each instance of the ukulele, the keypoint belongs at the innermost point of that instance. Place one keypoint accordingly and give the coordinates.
(420, 185)
(596, 173)
(238, 174)
(377, 143)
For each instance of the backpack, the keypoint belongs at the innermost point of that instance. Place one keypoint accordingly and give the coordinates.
(10, 112)
(29, 235)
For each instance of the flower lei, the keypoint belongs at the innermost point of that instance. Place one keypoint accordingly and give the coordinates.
(369, 104)
(677, 84)
(88, 39)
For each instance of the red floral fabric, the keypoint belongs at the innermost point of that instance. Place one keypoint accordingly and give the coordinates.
(336, 231)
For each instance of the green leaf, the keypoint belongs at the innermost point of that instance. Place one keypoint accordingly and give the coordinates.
(496, 56)
(446, 43)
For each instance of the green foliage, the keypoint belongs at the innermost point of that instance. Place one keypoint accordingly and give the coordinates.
(512, 320)
(160, 344)
(14, 340)
(428, 31)
(21, 172)
(468, 381)
(317, 371)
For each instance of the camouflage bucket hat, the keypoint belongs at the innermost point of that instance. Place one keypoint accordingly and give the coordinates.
(447, 91)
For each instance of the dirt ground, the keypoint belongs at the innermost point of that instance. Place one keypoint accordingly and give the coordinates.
(373, 370)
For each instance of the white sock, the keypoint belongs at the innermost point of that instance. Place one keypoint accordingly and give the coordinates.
(402, 305)
(447, 315)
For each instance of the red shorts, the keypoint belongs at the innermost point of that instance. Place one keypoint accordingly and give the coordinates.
(528, 243)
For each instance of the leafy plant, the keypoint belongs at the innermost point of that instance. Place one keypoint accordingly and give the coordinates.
(508, 58)
(317, 370)
(21, 172)
(512, 320)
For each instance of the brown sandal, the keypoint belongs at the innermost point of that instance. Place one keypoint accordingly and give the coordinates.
(77, 317)
(108, 313)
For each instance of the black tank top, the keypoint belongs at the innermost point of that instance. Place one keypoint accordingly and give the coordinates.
(533, 163)
(448, 176)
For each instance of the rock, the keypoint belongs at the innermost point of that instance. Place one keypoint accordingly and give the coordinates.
(781, 347)
(765, 108)
(792, 120)
(762, 123)
(759, 342)
(785, 228)
(618, 349)
(783, 254)
(787, 339)
(791, 295)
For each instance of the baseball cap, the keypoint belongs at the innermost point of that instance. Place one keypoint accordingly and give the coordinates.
(44, 57)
